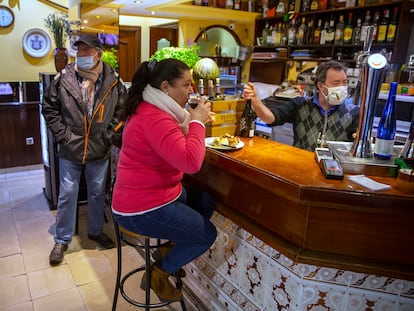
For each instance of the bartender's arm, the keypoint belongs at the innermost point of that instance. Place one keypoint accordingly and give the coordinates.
(264, 113)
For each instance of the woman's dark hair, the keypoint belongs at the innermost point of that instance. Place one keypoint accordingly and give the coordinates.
(153, 73)
(320, 75)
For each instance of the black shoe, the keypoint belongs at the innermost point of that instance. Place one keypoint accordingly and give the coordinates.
(102, 239)
(56, 255)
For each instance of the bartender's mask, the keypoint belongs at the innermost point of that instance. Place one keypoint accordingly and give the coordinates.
(336, 94)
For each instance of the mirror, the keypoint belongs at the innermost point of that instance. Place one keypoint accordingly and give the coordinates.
(217, 40)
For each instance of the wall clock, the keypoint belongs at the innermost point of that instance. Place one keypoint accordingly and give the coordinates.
(6, 16)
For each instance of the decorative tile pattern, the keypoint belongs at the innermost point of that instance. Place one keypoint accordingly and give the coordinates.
(243, 273)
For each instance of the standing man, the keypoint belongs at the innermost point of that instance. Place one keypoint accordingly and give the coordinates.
(81, 109)
(328, 115)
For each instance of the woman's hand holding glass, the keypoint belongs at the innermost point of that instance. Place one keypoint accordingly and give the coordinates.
(200, 109)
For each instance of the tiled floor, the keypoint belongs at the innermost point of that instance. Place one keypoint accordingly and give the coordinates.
(84, 281)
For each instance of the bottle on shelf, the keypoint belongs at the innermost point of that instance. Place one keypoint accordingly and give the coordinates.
(198, 2)
(269, 36)
(292, 33)
(291, 6)
(205, 2)
(236, 5)
(364, 27)
(229, 4)
(265, 31)
(210, 90)
(356, 33)
(247, 120)
(339, 31)
(384, 141)
(302, 33)
(281, 8)
(200, 87)
(218, 89)
(348, 30)
(392, 27)
(383, 27)
(278, 35)
(324, 31)
(323, 4)
(250, 6)
(305, 6)
(330, 34)
(314, 5)
(309, 36)
(375, 24)
(317, 33)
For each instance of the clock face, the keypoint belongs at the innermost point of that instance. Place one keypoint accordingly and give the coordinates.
(6, 16)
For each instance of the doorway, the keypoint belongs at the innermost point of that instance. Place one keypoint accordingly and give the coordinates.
(129, 51)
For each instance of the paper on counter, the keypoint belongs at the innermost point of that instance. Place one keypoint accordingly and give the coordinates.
(367, 182)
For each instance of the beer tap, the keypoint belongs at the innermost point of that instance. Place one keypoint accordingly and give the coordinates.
(407, 153)
(373, 71)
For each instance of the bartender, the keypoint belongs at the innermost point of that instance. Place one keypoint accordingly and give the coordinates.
(328, 115)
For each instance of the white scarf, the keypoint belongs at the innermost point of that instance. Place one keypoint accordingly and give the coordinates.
(166, 103)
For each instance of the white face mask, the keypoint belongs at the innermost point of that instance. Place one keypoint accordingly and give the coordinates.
(336, 95)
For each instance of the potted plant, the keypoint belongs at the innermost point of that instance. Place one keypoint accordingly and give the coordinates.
(188, 54)
(58, 24)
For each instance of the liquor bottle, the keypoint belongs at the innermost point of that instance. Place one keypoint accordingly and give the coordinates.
(247, 121)
(198, 2)
(330, 34)
(392, 27)
(264, 34)
(305, 5)
(201, 87)
(270, 36)
(348, 30)
(314, 5)
(281, 8)
(210, 90)
(218, 88)
(236, 5)
(205, 2)
(291, 6)
(292, 33)
(323, 4)
(278, 35)
(309, 37)
(383, 26)
(229, 4)
(250, 6)
(302, 33)
(339, 31)
(356, 34)
(364, 27)
(324, 31)
(375, 24)
(384, 141)
(317, 33)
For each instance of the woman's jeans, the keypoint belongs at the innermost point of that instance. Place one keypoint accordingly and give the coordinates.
(184, 221)
(69, 176)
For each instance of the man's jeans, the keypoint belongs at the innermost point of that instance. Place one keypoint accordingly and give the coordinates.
(184, 221)
(69, 176)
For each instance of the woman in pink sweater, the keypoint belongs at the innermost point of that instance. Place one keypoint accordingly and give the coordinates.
(161, 141)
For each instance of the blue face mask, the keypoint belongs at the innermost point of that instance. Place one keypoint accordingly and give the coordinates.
(85, 62)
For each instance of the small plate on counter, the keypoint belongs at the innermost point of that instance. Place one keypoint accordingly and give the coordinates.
(211, 143)
(36, 42)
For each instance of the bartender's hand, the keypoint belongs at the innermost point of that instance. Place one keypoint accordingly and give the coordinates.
(264, 113)
(202, 112)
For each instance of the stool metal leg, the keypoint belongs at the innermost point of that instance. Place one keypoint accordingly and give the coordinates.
(119, 267)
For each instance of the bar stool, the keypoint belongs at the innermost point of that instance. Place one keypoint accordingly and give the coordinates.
(140, 243)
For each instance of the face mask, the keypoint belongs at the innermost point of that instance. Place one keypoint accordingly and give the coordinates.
(85, 62)
(336, 95)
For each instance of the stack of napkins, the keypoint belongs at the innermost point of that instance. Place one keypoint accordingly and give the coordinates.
(366, 182)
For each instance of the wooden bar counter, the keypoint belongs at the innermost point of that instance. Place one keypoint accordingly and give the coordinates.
(278, 193)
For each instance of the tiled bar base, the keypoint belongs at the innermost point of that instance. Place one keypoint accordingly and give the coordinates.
(240, 272)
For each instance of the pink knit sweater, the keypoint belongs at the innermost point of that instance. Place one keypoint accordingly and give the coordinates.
(154, 156)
